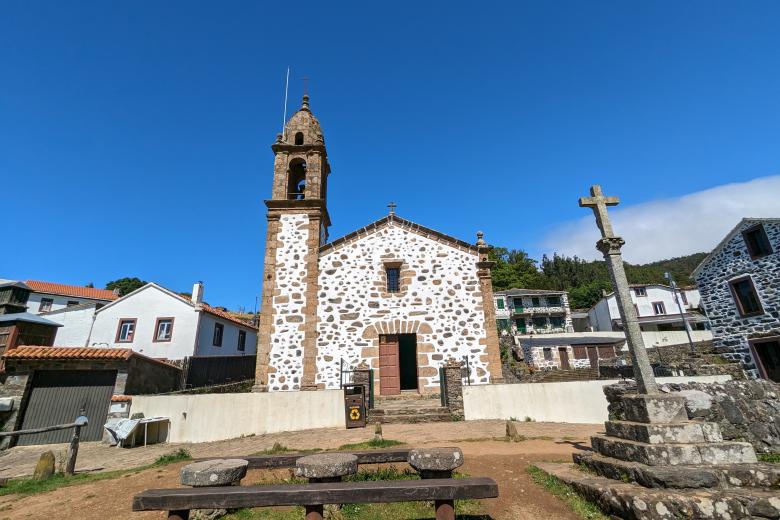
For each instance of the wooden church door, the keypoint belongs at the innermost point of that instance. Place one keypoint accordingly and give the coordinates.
(389, 365)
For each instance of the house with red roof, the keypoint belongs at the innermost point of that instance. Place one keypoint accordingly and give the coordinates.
(50, 296)
(158, 323)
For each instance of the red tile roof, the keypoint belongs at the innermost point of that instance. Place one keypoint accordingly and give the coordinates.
(71, 290)
(30, 352)
(226, 316)
(121, 398)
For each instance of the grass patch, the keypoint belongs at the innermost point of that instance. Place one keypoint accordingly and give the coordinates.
(769, 457)
(174, 456)
(565, 492)
(373, 444)
(278, 449)
(29, 486)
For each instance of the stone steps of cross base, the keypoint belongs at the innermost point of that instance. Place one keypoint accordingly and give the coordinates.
(659, 433)
(674, 454)
(629, 500)
(758, 475)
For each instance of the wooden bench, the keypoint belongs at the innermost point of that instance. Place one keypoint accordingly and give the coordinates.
(178, 502)
(287, 460)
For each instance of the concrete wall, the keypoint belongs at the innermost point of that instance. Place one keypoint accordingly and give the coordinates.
(653, 338)
(212, 417)
(572, 402)
(76, 326)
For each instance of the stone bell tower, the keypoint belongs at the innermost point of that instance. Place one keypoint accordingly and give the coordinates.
(298, 224)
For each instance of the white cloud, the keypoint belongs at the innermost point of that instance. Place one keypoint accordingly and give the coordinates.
(672, 227)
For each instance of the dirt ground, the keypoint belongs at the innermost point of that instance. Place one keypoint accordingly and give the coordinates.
(506, 462)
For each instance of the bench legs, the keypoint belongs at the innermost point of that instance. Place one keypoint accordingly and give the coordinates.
(445, 510)
(315, 512)
(180, 514)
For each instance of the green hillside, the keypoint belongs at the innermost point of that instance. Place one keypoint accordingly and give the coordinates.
(585, 280)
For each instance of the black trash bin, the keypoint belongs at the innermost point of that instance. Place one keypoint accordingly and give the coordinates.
(355, 405)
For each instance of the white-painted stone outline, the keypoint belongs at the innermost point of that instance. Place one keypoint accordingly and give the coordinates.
(289, 303)
(444, 293)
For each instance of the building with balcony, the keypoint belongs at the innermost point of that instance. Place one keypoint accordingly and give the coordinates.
(533, 311)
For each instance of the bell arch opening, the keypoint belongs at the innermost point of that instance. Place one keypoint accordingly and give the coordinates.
(296, 180)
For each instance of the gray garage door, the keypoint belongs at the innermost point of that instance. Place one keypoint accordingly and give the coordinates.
(58, 396)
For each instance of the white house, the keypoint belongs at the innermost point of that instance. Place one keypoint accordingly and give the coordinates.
(659, 314)
(49, 296)
(158, 323)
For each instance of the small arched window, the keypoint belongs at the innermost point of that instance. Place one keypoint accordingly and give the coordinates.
(299, 138)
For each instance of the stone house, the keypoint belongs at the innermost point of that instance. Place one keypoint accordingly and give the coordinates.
(740, 290)
(396, 296)
(533, 311)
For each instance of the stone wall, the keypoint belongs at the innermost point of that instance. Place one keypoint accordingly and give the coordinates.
(285, 366)
(731, 331)
(534, 356)
(453, 381)
(745, 410)
(440, 301)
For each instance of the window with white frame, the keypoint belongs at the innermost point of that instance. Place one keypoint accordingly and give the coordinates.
(659, 308)
(126, 330)
(163, 330)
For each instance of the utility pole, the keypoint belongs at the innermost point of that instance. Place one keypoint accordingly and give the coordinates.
(673, 285)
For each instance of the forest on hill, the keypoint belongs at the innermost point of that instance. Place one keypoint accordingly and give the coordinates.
(585, 280)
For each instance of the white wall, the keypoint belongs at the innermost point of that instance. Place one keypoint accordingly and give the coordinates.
(60, 302)
(146, 306)
(77, 324)
(229, 338)
(213, 417)
(572, 402)
(654, 338)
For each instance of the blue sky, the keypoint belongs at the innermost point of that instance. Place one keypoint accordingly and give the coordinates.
(135, 136)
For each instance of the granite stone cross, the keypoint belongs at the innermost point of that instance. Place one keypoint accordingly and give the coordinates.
(610, 245)
(392, 207)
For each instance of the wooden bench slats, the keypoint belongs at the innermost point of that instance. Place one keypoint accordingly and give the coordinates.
(319, 493)
(287, 460)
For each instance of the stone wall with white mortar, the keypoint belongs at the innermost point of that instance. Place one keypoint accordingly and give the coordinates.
(731, 332)
(289, 301)
(534, 356)
(440, 301)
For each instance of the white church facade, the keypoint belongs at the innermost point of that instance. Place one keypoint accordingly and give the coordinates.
(396, 296)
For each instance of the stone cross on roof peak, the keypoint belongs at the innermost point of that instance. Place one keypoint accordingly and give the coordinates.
(598, 202)
(392, 207)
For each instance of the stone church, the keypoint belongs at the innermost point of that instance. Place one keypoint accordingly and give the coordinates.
(395, 295)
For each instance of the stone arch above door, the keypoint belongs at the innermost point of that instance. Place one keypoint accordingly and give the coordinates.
(396, 327)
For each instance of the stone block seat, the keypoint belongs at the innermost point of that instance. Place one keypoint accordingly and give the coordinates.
(326, 467)
(436, 462)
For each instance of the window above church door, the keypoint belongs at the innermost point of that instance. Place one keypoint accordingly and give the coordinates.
(393, 279)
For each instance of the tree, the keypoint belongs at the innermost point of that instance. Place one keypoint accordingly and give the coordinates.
(125, 285)
(514, 268)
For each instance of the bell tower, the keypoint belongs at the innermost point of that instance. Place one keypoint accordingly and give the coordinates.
(298, 224)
